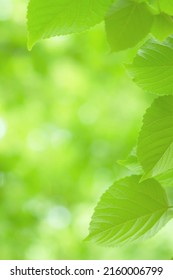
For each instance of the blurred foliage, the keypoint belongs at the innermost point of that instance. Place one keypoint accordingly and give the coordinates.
(68, 112)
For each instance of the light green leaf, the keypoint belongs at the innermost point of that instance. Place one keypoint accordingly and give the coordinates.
(166, 179)
(152, 68)
(127, 23)
(129, 210)
(155, 143)
(166, 6)
(57, 17)
(162, 27)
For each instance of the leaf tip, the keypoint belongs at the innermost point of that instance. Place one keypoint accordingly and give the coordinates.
(87, 238)
(30, 43)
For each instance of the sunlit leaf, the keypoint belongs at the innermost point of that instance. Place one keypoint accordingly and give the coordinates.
(56, 17)
(155, 144)
(129, 210)
(127, 23)
(152, 68)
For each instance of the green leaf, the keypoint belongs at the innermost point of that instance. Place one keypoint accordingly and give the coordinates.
(162, 27)
(166, 179)
(155, 143)
(166, 6)
(127, 23)
(57, 17)
(152, 68)
(129, 210)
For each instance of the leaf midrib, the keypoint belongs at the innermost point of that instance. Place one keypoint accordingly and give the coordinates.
(135, 219)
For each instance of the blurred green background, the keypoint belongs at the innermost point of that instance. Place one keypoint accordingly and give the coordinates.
(68, 112)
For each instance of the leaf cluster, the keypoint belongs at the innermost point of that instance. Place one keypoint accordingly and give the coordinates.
(137, 206)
